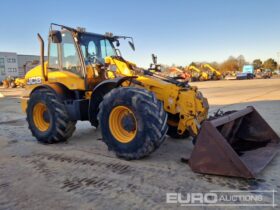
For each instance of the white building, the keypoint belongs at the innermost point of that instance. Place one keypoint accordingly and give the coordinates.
(15, 65)
(8, 65)
(26, 62)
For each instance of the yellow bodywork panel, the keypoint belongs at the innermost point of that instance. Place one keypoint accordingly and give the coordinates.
(164, 91)
(188, 103)
(70, 80)
(121, 67)
(34, 78)
(35, 72)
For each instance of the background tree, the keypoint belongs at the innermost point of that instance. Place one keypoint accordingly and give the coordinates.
(241, 62)
(231, 64)
(270, 64)
(215, 65)
(193, 64)
(257, 63)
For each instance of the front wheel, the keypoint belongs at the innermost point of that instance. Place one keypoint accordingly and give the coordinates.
(47, 117)
(132, 121)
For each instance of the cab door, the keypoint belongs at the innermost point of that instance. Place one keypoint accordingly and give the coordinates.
(65, 65)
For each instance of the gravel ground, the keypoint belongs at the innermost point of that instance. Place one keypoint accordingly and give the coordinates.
(83, 174)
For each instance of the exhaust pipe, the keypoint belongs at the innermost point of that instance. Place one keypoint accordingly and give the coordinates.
(42, 59)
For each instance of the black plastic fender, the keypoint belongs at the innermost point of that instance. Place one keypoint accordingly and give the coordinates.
(99, 92)
(60, 90)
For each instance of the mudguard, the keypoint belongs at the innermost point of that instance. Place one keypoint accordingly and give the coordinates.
(99, 92)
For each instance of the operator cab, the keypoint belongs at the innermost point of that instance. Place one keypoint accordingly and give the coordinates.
(82, 53)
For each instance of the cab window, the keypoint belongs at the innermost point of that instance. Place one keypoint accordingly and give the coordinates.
(70, 57)
(53, 57)
(106, 48)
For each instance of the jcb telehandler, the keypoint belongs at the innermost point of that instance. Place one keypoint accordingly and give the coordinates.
(213, 74)
(197, 74)
(86, 78)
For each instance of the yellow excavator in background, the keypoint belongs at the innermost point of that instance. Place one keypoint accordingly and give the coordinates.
(213, 74)
(197, 74)
(87, 79)
(12, 82)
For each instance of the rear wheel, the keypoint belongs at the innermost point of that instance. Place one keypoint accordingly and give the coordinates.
(47, 117)
(132, 121)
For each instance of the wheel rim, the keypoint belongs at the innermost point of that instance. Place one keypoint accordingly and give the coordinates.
(41, 117)
(123, 124)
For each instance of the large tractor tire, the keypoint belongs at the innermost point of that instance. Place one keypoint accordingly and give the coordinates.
(133, 122)
(47, 118)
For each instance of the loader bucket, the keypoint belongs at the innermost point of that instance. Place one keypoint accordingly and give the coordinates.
(240, 144)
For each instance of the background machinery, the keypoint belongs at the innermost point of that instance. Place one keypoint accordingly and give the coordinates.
(247, 73)
(13, 82)
(263, 73)
(154, 66)
(86, 78)
(213, 74)
(175, 72)
(197, 74)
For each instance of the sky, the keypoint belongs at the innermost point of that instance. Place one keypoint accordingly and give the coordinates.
(178, 31)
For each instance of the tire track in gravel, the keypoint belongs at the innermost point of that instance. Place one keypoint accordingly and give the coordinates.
(6, 203)
(104, 177)
(136, 183)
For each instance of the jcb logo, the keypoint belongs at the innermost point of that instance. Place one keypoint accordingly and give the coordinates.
(34, 80)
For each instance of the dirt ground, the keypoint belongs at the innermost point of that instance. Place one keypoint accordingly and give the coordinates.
(83, 174)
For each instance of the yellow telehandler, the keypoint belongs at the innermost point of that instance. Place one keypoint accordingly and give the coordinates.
(13, 82)
(197, 74)
(213, 73)
(86, 78)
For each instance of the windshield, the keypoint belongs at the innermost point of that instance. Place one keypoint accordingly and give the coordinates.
(95, 48)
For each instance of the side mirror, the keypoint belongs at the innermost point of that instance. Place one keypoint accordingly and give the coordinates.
(154, 59)
(131, 45)
(55, 36)
(117, 43)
